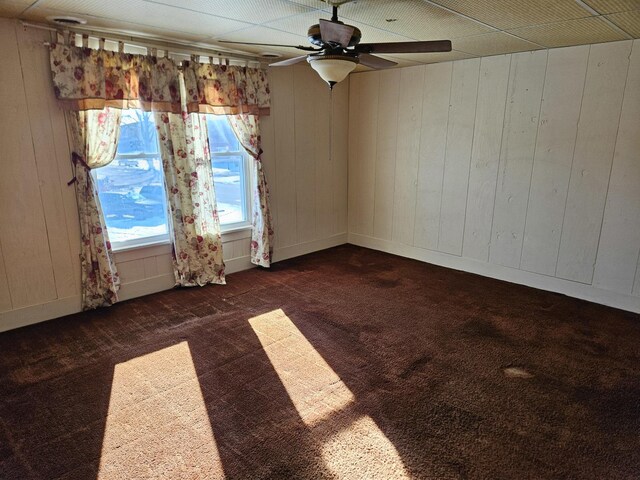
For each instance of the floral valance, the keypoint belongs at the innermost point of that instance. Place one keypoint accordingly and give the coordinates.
(229, 89)
(88, 79)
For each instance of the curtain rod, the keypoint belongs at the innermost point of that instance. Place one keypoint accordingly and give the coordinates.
(170, 46)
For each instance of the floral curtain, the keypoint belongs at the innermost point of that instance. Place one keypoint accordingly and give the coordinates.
(94, 136)
(87, 79)
(229, 89)
(197, 244)
(242, 94)
(246, 128)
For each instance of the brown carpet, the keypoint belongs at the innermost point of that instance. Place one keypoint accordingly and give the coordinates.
(347, 363)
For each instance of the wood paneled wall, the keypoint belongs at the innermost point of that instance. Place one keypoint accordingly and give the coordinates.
(39, 232)
(524, 167)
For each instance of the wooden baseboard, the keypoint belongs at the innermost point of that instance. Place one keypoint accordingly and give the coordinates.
(146, 286)
(543, 282)
(238, 264)
(39, 313)
(309, 247)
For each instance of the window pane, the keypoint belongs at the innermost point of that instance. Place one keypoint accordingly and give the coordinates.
(137, 133)
(221, 136)
(228, 160)
(131, 188)
(228, 176)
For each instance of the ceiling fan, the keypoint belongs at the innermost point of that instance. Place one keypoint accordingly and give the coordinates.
(338, 49)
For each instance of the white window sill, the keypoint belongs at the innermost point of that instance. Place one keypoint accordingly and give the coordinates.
(163, 247)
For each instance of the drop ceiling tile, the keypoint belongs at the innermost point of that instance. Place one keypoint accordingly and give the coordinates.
(401, 60)
(299, 24)
(492, 44)
(283, 52)
(411, 18)
(120, 26)
(613, 6)
(264, 34)
(438, 57)
(147, 14)
(627, 21)
(506, 14)
(252, 11)
(573, 32)
(317, 4)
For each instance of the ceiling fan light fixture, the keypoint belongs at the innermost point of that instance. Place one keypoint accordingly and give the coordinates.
(332, 68)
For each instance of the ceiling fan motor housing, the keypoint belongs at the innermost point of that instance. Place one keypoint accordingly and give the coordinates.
(315, 37)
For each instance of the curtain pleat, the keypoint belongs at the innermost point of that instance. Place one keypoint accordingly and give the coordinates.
(94, 137)
(197, 243)
(247, 130)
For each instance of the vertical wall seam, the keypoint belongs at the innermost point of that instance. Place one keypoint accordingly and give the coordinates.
(395, 164)
(375, 160)
(274, 182)
(473, 137)
(295, 153)
(415, 210)
(61, 182)
(6, 277)
(613, 156)
(444, 160)
(573, 157)
(495, 192)
(423, 68)
(35, 161)
(533, 158)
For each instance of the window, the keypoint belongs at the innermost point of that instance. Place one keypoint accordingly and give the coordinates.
(230, 174)
(131, 188)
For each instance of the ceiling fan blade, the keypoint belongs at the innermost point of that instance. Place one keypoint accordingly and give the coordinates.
(299, 47)
(405, 47)
(288, 61)
(334, 32)
(375, 62)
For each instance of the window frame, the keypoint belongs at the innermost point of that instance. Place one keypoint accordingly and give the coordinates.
(247, 184)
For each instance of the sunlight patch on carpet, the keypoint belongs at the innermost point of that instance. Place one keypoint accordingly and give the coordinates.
(362, 451)
(314, 388)
(157, 425)
(357, 449)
